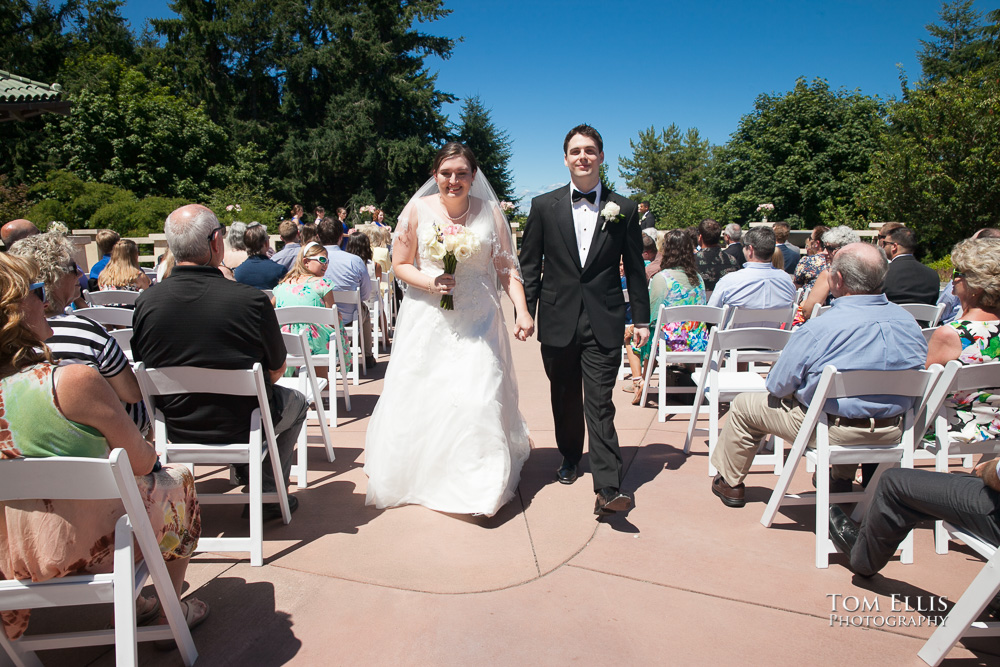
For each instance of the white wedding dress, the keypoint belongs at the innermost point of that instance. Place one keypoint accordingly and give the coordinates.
(446, 432)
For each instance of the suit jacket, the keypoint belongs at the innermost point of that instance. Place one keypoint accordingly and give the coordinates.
(736, 250)
(791, 257)
(647, 221)
(909, 281)
(566, 287)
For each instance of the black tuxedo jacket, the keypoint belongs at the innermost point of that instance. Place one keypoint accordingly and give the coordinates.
(648, 221)
(909, 281)
(565, 285)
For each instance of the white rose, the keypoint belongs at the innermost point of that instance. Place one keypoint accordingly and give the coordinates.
(611, 210)
(451, 242)
(436, 251)
(463, 252)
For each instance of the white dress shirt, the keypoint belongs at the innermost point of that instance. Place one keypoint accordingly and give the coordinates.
(584, 220)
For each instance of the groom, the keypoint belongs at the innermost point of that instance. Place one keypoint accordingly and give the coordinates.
(582, 232)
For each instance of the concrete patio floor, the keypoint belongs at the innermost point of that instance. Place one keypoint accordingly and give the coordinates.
(680, 579)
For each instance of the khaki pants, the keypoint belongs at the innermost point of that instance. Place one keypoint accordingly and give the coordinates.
(752, 416)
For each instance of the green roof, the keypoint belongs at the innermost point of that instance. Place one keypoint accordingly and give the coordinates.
(22, 98)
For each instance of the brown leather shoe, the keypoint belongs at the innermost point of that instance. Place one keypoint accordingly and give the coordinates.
(731, 496)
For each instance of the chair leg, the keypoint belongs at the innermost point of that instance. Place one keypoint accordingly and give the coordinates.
(823, 544)
(713, 430)
(257, 510)
(966, 610)
(126, 646)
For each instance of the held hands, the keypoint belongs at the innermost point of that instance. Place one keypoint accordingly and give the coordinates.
(524, 326)
(640, 335)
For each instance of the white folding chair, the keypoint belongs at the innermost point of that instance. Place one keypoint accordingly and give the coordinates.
(721, 382)
(71, 478)
(923, 312)
(353, 298)
(819, 309)
(311, 386)
(108, 316)
(389, 296)
(711, 316)
(956, 377)
(111, 297)
(928, 332)
(379, 322)
(191, 380)
(833, 384)
(740, 317)
(329, 317)
(961, 620)
(124, 339)
(268, 293)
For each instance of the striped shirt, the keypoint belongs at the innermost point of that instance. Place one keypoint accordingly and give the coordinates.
(78, 340)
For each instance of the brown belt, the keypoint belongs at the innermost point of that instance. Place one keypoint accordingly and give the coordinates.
(863, 422)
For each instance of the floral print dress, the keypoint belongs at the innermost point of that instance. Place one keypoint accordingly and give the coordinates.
(975, 415)
(671, 287)
(310, 293)
(45, 539)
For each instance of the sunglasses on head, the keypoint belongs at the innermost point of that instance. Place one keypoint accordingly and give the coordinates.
(38, 289)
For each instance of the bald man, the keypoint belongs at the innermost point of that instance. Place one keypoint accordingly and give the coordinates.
(15, 230)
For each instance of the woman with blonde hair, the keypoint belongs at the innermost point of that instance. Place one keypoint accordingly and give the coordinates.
(304, 285)
(47, 410)
(123, 271)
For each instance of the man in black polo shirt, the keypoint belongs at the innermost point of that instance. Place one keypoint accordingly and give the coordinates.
(198, 318)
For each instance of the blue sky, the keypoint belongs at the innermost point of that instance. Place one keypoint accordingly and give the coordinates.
(543, 66)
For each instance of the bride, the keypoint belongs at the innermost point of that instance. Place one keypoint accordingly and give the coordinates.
(446, 432)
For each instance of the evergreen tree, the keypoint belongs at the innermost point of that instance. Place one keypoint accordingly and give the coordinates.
(956, 46)
(668, 161)
(490, 145)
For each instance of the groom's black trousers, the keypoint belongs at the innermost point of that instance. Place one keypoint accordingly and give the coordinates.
(582, 378)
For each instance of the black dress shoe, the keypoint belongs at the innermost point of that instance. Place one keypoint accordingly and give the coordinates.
(567, 473)
(611, 500)
(843, 530)
(273, 510)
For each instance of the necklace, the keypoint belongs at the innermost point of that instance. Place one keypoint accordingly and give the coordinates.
(457, 218)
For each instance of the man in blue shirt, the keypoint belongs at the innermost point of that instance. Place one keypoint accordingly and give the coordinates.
(758, 284)
(106, 240)
(289, 233)
(862, 331)
(348, 272)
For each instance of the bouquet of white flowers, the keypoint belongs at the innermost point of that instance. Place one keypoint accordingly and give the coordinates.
(450, 245)
(765, 210)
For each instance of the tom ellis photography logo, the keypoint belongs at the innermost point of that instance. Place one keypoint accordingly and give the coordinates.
(902, 611)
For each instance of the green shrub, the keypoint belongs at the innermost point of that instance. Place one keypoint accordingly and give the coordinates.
(252, 207)
(47, 211)
(135, 217)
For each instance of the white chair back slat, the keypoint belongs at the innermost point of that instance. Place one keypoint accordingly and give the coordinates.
(759, 317)
(923, 312)
(353, 298)
(311, 386)
(110, 297)
(108, 316)
(819, 309)
(329, 317)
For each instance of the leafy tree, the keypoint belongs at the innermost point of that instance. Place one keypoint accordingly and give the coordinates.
(14, 201)
(940, 165)
(490, 145)
(955, 46)
(668, 161)
(683, 207)
(806, 151)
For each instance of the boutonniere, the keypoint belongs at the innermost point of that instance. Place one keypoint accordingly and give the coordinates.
(611, 213)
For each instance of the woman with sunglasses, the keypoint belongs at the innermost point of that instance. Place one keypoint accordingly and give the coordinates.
(304, 285)
(48, 410)
(833, 240)
(974, 338)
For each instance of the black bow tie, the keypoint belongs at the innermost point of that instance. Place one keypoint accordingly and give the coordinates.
(590, 196)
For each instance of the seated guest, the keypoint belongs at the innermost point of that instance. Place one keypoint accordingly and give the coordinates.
(15, 230)
(308, 234)
(833, 240)
(974, 338)
(304, 285)
(380, 238)
(236, 249)
(257, 270)
(908, 281)
(678, 283)
(759, 284)
(789, 251)
(106, 240)
(122, 272)
(653, 263)
(863, 331)
(814, 261)
(648, 253)
(71, 411)
(733, 235)
(198, 318)
(348, 272)
(359, 245)
(905, 497)
(953, 309)
(884, 230)
(289, 233)
(76, 339)
(712, 262)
